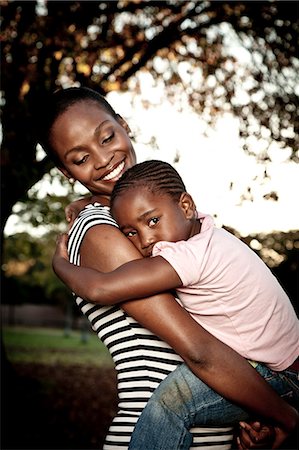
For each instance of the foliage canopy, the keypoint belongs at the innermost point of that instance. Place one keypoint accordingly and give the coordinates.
(236, 56)
(183, 45)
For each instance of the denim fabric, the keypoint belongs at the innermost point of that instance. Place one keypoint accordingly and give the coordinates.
(182, 401)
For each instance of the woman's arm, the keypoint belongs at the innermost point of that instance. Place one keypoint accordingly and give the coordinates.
(105, 248)
(132, 280)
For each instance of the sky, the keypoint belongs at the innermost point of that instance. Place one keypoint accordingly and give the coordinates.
(210, 165)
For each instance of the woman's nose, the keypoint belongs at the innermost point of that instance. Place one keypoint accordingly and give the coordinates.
(102, 159)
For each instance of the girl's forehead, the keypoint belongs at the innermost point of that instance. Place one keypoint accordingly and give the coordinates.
(143, 192)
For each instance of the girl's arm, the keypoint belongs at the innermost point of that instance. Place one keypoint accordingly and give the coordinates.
(105, 248)
(132, 280)
(72, 210)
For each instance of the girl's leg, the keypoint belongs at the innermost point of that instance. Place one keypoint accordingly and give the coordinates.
(182, 401)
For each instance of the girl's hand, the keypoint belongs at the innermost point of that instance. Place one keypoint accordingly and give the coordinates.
(256, 435)
(72, 210)
(60, 258)
(61, 248)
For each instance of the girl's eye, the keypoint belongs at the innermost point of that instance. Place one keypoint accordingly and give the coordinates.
(130, 233)
(81, 161)
(153, 221)
(108, 138)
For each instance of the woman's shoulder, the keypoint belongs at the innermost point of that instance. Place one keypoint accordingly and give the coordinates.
(92, 218)
(93, 214)
(95, 207)
(95, 235)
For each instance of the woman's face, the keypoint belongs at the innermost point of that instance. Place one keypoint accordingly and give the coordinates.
(93, 147)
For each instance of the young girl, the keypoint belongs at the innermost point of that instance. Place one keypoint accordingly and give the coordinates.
(219, 280)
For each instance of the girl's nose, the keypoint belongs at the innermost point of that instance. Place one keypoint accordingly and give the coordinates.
(147, 240)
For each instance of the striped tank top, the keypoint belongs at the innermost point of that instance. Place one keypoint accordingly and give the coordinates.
(141, 359)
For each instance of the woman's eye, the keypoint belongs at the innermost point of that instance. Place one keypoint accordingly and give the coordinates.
(153, 221)
(107, 139)
(81, 161)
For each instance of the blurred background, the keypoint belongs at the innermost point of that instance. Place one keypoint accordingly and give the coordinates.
(212, 88)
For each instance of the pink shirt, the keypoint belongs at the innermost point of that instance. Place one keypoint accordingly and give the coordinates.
(231, 292)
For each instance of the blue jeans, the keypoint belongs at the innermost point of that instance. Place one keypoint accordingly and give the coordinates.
(182, 401)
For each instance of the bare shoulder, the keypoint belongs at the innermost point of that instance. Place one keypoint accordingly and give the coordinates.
(105, 247)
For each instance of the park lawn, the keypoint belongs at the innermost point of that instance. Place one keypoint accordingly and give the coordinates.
(53, 346)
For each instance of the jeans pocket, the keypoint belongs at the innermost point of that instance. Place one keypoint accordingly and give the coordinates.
(285, 383)
(291, 378)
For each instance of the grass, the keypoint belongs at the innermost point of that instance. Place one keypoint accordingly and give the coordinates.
(52, 346)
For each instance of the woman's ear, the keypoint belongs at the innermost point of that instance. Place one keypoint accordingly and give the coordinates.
(187, 204)
(65, 172)
(124, 124)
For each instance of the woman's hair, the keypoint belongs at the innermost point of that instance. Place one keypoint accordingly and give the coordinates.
(55, 105)
(156, 176)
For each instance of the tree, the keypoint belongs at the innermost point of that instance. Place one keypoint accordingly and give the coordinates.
(29, 277)
(105, 44)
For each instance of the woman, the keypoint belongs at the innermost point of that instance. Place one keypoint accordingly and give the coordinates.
(89, 142)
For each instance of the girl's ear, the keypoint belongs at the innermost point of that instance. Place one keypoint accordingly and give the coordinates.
(187, 204)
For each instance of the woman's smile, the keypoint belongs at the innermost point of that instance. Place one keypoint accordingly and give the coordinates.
(114, 174)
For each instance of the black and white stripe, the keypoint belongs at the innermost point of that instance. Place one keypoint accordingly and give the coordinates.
(141, 359)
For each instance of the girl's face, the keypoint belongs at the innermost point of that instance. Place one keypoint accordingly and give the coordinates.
(147, 218)
(93, 147)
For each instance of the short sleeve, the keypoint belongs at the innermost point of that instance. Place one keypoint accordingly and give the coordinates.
(183, 257)
(188, 258)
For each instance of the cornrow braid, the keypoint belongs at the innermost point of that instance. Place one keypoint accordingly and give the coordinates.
(156, 176)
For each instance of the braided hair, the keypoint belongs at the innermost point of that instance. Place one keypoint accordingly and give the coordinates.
(156, 176)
